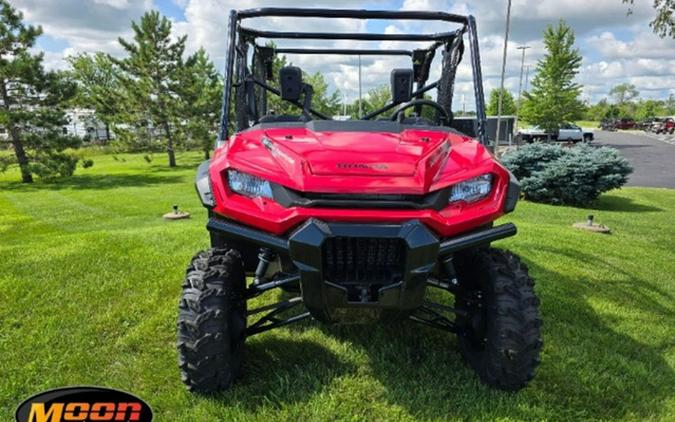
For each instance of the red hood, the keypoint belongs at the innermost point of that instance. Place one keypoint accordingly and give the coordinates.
(412, 161)
(359, 153)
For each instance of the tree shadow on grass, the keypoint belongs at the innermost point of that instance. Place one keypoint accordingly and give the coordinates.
(629, 293)
(588, 370)
(166, 169)
(96, 182)
(278, 371)
(620, 204)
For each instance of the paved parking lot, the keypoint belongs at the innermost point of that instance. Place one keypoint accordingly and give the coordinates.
(652, 156)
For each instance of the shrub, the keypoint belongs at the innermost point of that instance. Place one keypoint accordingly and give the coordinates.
(54, 165)
(576, 176)
(5, 162)
(87, 162)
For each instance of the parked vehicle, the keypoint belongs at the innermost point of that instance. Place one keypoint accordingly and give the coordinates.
(645, 124)
(666, 125)
(624, 124)
(654, 125)
(357, 217)
(568, 132)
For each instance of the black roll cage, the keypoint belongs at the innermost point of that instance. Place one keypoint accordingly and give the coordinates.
(239, 33)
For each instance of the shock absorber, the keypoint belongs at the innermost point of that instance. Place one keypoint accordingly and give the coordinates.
(448, 263)
(264, 257)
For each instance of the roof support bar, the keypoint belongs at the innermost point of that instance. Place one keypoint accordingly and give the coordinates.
(223, 133)
(441, 36)
(481, 120)
(353, 14)
(344, 51)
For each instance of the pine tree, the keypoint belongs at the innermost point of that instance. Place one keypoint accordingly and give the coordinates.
(553, 98)
(151, 78)
(32, 101)
(97, 78)
(202, 90)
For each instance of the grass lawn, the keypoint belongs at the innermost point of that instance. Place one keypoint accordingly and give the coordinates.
(90, 276)
(584, 124)
(587, 124)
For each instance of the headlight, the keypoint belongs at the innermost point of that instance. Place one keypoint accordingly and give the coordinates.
(248, 185)
(471, 190)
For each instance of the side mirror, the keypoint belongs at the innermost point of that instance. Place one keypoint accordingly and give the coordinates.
(401, 85)
(290, 83)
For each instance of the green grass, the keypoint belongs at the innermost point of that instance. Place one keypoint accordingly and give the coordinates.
(587, 124)
(90, 276)
(584, 124)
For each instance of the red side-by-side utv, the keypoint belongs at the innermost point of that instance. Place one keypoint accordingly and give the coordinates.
(356, 218)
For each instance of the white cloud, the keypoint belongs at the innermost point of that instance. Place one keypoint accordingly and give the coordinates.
(85, 25)
(644, 45)
(118, 4)
(617, 48)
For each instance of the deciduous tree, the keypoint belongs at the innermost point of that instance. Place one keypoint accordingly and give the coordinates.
(508, 104)
(99, 86)
(554, 96)
(624, 93)
(322, 100)
(663, 24)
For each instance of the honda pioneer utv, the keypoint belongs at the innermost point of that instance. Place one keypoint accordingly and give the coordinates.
(355, 218)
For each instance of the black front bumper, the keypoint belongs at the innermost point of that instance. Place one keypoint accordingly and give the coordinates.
(341, 265)
(351, 272)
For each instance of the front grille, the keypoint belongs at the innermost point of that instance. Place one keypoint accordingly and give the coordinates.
(360, 260)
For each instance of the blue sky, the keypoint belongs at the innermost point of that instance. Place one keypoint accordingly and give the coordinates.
(616, 48)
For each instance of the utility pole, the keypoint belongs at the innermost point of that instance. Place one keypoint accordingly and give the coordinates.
(344, 104)
(527, 75)
(360, 99)
(520, 84)
(501, 84)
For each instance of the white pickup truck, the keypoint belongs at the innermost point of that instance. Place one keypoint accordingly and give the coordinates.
(568, 132)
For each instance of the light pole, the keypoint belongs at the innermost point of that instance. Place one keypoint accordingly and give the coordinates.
(501, 83)
(527, 75)
(520, 84)
(360, 99)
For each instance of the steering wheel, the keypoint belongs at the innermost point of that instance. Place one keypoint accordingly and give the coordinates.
(442, 117)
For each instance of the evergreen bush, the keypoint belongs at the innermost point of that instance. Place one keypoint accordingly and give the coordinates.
(577, 175)
(54, 165)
